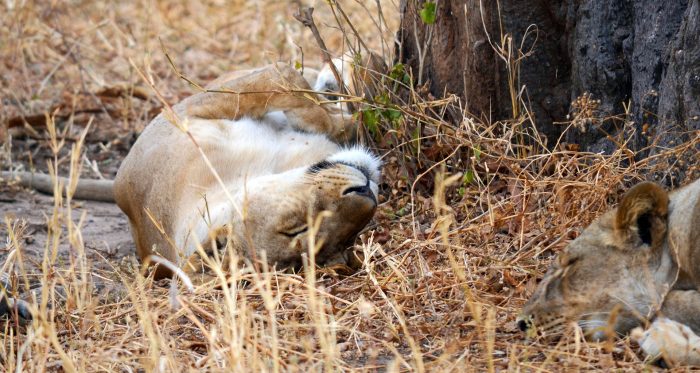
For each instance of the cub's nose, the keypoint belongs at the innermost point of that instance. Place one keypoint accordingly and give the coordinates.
(361, 190)
(331, 97)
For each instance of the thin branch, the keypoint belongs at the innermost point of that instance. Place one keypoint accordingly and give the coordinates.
(305, 16)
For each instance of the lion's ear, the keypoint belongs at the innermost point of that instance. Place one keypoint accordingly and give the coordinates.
(644, 212)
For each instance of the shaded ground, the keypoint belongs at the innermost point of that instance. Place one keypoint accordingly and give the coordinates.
(105, 229)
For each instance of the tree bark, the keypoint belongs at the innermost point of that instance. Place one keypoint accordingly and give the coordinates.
(643, 55)
(679, 90)
(450, 54)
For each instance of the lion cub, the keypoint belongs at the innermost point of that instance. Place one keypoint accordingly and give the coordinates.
(635, 262)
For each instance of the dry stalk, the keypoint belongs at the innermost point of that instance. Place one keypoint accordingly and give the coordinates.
(447, 265)
(306, 17)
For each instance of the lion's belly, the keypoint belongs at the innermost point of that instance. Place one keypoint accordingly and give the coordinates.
(165, 179)
(240, 151)
(245, 148)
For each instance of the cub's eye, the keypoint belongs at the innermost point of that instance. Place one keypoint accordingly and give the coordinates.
(295, 231)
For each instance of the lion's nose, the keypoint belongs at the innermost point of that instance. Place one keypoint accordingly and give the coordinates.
(361, 190)
(524, 324)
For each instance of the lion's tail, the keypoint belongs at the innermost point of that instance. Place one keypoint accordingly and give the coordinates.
(88, 189)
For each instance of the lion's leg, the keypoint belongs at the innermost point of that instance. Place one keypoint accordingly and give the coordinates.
(274, 88)
(198, 268)
(669, 340)
(672, 336)
(683, 306)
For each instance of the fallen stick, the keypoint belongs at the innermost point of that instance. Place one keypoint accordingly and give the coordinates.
(88, 189)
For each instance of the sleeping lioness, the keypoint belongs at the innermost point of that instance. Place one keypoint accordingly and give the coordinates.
(275, 165)
(635, 263)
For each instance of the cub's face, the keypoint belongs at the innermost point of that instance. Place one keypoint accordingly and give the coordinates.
(326, 82)
(360, 73)
(610, 278)
(333, 200)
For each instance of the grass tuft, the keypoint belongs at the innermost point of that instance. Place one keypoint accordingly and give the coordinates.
(470, 215)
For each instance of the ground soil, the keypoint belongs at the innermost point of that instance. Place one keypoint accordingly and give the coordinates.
(105, 229)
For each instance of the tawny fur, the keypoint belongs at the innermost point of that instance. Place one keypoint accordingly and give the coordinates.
(262, 141)
(635, 262)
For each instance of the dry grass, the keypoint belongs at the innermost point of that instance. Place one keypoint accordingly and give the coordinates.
(471, 213)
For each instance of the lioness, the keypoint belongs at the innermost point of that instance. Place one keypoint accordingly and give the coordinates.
(635, 262)
(274, 161)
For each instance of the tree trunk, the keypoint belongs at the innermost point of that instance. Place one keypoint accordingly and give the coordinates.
(642, 56)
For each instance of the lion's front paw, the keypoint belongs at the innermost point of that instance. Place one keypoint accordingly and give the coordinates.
(672, 341)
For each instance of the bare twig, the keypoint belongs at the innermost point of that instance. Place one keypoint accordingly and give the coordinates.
(305, 16)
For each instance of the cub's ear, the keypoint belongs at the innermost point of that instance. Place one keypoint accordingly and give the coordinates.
(644, 212)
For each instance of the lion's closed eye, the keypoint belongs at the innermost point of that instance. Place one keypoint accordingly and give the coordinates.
(566, 260)
(293, 232)
(552, 289)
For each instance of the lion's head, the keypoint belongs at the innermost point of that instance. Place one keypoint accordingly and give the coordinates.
(613, 276)
(279, 210)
